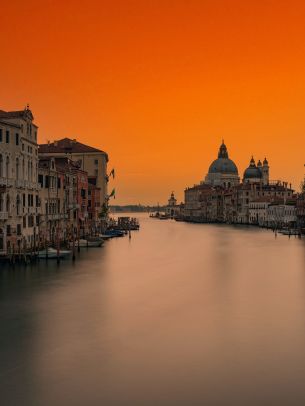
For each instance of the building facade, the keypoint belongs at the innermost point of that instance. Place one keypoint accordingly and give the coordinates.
(19, 200)
(91, 160)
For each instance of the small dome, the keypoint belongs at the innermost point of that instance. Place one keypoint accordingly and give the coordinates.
(253, 172)
(259, 164)
(265, 161)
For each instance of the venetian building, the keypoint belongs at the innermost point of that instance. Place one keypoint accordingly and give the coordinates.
(19, 200)
(92, 160)
(222, 171)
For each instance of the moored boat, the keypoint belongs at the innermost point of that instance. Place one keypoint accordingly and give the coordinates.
(114, 233)
(51, 253)
(90, 242)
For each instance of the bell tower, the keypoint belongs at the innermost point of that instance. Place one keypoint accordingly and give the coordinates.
(265, 172)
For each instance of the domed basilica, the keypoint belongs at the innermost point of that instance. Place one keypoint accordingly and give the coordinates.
(223, 171)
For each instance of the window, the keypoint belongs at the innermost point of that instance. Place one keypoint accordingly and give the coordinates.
(17, 168)
(1, 135)
(96, 161)
(22, 147)
(7, 137)
(18, 229)
(40, 179)
(24, 221)
(8, 230)
(17, 139)
(30, 221)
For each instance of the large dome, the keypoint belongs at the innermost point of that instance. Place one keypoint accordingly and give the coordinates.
(223, 164)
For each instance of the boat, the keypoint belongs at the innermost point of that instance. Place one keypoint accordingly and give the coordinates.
(90, 242)
(289, 232)
(105, 236)
(164, 217)
(114, 233)
(51, 253)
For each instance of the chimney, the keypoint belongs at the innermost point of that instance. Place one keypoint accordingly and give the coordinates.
(55, 143)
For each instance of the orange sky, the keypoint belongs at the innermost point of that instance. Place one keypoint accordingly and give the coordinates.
(158, 84)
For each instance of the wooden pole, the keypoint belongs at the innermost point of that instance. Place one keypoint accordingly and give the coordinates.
(57, 242)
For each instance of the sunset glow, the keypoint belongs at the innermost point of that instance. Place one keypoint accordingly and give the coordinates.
(159, 84)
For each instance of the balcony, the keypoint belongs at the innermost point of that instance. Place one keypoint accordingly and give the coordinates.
(20, 183)
(74, 206)
(3, 215)
(6, 182)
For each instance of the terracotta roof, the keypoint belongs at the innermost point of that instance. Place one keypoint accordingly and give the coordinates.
(66, 145)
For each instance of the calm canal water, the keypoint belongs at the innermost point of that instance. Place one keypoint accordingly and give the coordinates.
(183, 314)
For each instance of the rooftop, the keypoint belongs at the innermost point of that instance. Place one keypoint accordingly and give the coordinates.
(16, 114)
(67, 146)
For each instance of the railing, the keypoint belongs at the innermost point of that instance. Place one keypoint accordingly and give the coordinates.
(6, 182)
(20, 183)
(3, 215)
(74, 206)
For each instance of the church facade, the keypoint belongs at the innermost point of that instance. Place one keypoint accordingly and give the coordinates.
(224, 197)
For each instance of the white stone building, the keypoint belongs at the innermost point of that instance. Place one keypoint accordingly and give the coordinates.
(281, 215)
(258, 212)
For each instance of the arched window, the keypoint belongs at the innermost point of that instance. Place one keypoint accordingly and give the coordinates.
(18, 205)
(1, 201)
(7, 169)
(1, 166)
(17, 168)
(8, 203)
(29, 165)
(23, 168)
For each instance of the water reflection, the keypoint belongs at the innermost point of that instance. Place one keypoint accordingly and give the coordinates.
(181, 314)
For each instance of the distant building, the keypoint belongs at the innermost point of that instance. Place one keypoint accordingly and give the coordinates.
(172, 209)
(281, 215)
(92, 160)
(222, 198)
(300, 211)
